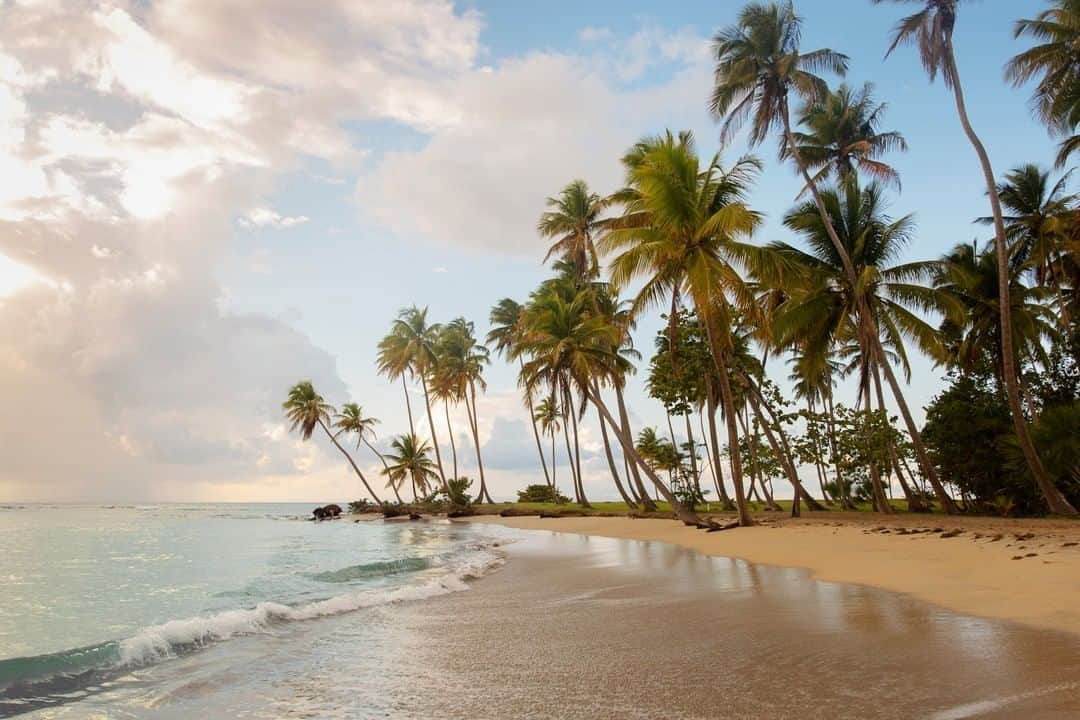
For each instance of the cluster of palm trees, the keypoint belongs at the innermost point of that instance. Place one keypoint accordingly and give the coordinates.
(679, 231)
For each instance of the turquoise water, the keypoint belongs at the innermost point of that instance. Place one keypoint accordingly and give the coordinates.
(92, 594)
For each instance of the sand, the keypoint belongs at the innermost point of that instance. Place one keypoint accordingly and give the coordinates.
(1023, 571)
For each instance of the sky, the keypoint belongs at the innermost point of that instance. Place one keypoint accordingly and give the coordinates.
(204, 201)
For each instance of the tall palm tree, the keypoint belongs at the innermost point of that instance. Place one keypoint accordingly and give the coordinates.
(307, 410)
(759, 65)
(842, 136)
(571, 224)
(411, 458)
(679, 230)
(568, 347)
(932, 30)
(411, 343)
(505, 331)
(826, 310)
(547, 415)
(351, 420)
(463, 361)
(1056, 62)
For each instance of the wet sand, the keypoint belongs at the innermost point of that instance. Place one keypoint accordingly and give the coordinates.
(578, 626)
(1024, 571)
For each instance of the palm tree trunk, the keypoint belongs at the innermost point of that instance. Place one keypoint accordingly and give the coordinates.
(728, 404)
(385, 466)
(693, 455)
(408, 405)
(611, 463)
(630, 489)
(708, 450)
(870, 340)
(536, 433)
(450, 432)
(627, 442)
(1055, 500)
(915, 503)
(880, 500)
(554, 482)
(624, 425)
(715, 442)
(819, 467)
(333, 439)
(570, 454)
(474, 424)
(577, 458)
(842, 495)
(434, 437)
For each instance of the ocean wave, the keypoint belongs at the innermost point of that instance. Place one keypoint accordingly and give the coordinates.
(31, 677)
(374, 569)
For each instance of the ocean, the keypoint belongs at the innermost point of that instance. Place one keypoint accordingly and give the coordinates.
(103, 608)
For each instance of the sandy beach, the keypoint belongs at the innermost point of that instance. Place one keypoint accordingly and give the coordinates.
(1019, 570)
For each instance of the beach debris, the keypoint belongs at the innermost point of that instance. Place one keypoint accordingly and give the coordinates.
(1069, 544)
(995, 538)
(1032, 555)
(952, 533)
(1017, 557)
(1025, 536)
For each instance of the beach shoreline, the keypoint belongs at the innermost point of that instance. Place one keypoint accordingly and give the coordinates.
(1026, 572)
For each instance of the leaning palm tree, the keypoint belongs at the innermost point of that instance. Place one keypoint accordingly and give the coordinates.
(571, 224)
(411, 458)
(548, 416)
(412, 341)
(679, 230)
(827, 308)
(932, 30)
(307, 410)
(351, 420)
(759, 66)
(842, 136)
(569, 347)
(1056, 62)
(505, 331)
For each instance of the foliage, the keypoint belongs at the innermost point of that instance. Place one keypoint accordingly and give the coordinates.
(457, 492)
(357, 507)
(541, 493)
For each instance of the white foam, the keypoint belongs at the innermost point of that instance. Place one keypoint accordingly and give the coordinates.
(159, 642)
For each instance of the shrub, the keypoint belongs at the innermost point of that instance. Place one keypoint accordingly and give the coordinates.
(457, 492)
(541, 493)
(357, 507)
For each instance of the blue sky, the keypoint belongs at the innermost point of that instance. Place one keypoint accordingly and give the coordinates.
(418, 183)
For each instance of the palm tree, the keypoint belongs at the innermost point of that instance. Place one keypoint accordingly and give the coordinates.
(505, 331)
(307, 410)
(932, 29)
(759, 65)
(1056, 62)
(463, 361)
(411, 458)
(547, 415)
(411, 345)
(678, 229)
(351, 419)
(843, 136)
(570, 351)
(571, 224)
(1041, 217)
(826, 310)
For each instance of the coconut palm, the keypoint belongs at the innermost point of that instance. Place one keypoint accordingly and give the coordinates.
(410, 347)
(1041, 219)
(931, 29)
(461, 370)
(1056, 62)
(843, 138)
(351, 420)
(571, 224)
(307, 410)
(572, 351)
(505, 330)
(548, 416)
(826, 310)
(411, 458)
(679, 231)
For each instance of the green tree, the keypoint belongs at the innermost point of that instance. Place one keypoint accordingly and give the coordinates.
(931, 29)
(461, 369)
(351, 420)
(571, 224)
(410, 457)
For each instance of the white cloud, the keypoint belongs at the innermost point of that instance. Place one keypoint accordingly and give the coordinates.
(265, 217)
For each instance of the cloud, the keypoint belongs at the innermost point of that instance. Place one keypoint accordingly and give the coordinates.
(532, 124)
(265, 217)
(131, 138)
